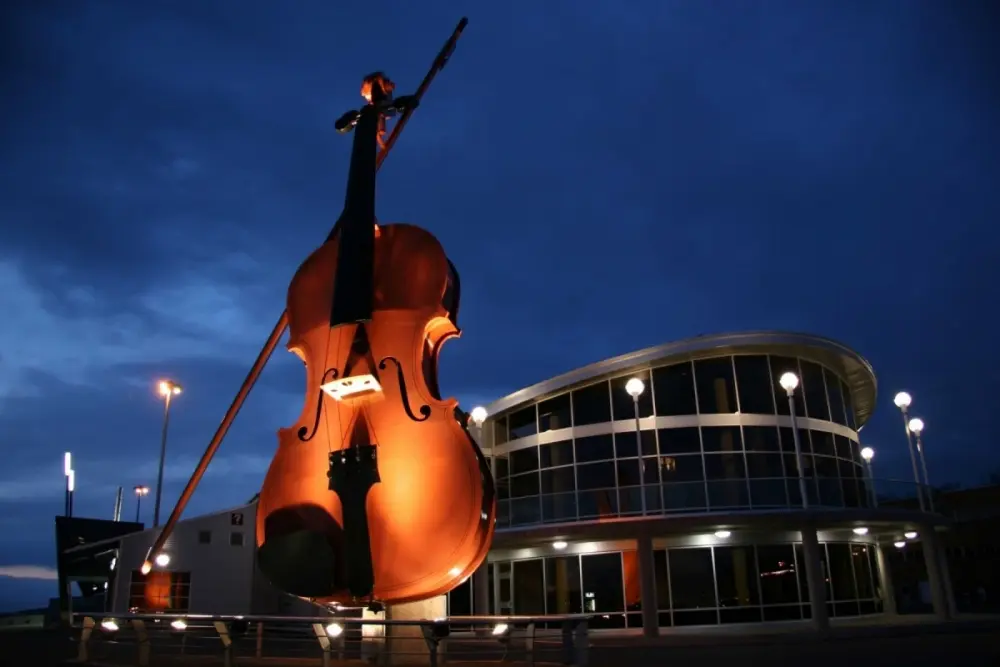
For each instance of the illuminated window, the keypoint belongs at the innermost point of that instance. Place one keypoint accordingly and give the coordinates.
(160, 591)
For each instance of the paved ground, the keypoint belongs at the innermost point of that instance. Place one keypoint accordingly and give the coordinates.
(969, 643)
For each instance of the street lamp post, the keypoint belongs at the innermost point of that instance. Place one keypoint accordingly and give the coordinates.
(902, 401)
(634, 387)
(140, 491)
(67, 473)
(788, 382)
(168, 390)
(478, 418)
(916, 427)
(867, 453)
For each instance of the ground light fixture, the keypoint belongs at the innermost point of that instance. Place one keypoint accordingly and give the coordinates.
(559, 545)
(179, 624)
(899, 545)
(500, 629)
(722, 534)
(910, 534)
(334, 630)
(861, 530)
(110, 625)
(162, 560)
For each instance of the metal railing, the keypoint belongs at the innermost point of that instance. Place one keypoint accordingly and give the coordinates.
(167, 639)
(721, 495)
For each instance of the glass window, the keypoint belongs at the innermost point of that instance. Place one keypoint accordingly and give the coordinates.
(160, 591)
(524, 485)
(761, 439)
(843, 447)
(236, 538)
(460, 599)
(558, 480)
(842, 578)
(814, 387)
(622, 405)
(595, 476)
(692, 578)
(204, 537)
(679, 440)
(681, 469)
(753, 379)
(529, 587)
(721, 439)
(500, 431)
(592, 405)
(724, 466)
(833, 392)
(765, 465)
(506, 592)
(554, 414)
(776, 567)
(674, 389)
(662, 580)
(562, 581)
(524, 460)
(556, 454)
(848, 406)
(822, 443)
(521, 424)
(602, 582)
(595, 448)
(780, 366)
(625, 446)
(788, 441)
(628, 473)
(716, 387)
(736, 575)
(863, 571)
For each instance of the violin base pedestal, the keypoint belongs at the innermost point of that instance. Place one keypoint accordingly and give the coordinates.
(405, 644)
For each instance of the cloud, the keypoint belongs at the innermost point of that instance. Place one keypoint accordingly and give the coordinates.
(28, 572)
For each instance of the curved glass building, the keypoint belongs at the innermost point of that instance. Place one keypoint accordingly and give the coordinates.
(678, 499)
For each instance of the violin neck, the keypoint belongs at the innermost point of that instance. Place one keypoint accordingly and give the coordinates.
(354, 285)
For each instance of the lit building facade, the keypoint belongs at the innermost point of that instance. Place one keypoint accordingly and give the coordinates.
(688, 493)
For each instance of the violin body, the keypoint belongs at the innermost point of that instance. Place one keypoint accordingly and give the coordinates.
(377, 491)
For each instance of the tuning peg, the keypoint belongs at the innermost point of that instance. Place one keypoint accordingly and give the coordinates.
(347, 122)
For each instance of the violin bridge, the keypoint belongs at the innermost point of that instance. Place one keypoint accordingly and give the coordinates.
(352, 387)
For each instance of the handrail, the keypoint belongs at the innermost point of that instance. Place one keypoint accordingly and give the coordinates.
(327, 637)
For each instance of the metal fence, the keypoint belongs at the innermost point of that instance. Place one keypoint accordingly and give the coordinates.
(169, 639)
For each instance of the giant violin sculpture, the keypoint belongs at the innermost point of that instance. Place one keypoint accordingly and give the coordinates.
(377, 493)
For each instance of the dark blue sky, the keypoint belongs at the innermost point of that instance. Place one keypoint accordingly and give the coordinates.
(605, 175)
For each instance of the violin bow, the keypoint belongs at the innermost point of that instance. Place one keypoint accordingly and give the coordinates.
(279, 328)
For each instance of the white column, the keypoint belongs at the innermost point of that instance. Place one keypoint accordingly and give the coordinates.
(647, 587)
(937, 574)
(885, 582)
(815, 579)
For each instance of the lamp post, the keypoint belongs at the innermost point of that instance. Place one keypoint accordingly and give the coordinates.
(788, 382)
(67, 473)
(70, 488)
(634, 388)
(140, 491)
(902, 401)
(916, 427)
(168, 390)
(478, 418)
(867, 453)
